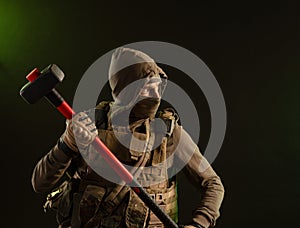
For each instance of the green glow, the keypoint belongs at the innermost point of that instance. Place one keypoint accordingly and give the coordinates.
(13, 28)
(22, 26)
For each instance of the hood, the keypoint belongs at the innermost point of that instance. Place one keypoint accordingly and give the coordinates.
(129, 71)
(127, 66)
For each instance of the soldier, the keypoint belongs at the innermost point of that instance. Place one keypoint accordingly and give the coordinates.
(127, 127)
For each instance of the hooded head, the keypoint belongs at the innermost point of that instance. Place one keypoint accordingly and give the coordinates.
(132, 76)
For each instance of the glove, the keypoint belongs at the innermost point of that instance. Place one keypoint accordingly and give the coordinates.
(80, 132)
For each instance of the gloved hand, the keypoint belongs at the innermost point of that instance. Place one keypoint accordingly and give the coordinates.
(80, 132)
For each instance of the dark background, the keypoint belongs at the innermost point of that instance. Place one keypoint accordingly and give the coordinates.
(252, 49)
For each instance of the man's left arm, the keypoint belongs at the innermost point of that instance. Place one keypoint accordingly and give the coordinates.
(202, 175)
(200, 172)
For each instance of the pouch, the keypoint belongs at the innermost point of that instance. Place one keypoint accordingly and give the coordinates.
(90, 202)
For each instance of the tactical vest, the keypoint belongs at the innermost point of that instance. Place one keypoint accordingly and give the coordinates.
(101, 203)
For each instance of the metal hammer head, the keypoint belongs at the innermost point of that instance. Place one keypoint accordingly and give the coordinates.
(43, 84)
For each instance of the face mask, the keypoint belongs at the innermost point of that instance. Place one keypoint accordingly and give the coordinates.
(145, 108)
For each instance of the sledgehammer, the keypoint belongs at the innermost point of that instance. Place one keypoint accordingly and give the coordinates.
(42, 84)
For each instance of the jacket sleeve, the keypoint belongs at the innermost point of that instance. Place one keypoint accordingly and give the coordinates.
(202, 175)
(49, 170)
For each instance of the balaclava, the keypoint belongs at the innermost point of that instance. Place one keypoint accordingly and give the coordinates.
(129, 71)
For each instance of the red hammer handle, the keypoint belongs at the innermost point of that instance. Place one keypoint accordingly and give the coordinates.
(66, 110)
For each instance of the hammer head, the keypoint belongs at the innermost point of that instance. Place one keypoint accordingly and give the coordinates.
(43, 84)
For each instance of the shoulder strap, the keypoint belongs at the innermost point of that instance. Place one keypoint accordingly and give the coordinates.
(170, 117)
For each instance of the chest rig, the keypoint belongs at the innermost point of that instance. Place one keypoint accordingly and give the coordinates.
(146, 153)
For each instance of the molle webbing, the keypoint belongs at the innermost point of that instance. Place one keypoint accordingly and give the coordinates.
(165, 196)
(167, 200)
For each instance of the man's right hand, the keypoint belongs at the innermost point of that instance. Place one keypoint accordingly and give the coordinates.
(80, 132)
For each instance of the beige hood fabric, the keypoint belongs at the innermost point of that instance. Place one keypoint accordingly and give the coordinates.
(129, 71)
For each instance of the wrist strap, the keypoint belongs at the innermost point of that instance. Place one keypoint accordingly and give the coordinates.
(66, 149)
